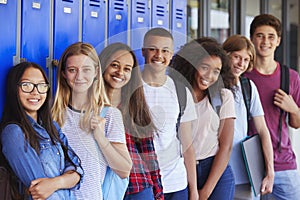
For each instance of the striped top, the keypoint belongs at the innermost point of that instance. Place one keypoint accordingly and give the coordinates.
(85, 146)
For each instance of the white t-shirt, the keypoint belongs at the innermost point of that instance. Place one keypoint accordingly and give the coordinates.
(206, 127)
(164, 107)
(85, 146)
(240, 130)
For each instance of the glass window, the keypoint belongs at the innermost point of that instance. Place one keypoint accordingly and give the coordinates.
(192, 19)
(252, 9)
(219, 16)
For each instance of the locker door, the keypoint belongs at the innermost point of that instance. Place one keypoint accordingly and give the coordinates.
(93, 23)
(8, 35)
(178, 23)
(66, 25)
(117, 21)
(65, 29)
(139, 25)
(35, 31)
(160, 14)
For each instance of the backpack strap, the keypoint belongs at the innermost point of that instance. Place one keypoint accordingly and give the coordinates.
(247, 93)
(103, 111)
(284, 85)
(181, 95)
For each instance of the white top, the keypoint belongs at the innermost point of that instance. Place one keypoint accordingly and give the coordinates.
(164, 107)
(206, 127)
(85, 146)
(240, 130)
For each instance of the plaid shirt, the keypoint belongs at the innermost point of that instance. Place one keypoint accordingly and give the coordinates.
(145, 169)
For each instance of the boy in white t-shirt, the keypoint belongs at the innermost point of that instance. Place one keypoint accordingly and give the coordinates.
(176, 157)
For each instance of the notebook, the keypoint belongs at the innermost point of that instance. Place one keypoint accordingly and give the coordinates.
(254, 161)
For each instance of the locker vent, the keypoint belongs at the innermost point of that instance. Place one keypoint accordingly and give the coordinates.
(119, 5)
(160, 10)
(140, 7)
(179, 13)
(70, 1)
(95, 3)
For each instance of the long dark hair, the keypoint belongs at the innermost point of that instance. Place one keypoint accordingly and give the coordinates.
(14, 112)
(190, 55)
(135, 111)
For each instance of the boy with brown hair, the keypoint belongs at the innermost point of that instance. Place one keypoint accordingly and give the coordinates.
(265, 33)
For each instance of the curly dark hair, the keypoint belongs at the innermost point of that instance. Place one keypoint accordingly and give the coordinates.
(191, 54)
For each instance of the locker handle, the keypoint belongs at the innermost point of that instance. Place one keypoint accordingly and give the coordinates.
(22, 60)
(55, 62)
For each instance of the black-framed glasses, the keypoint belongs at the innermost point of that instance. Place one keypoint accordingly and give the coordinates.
(28, 87)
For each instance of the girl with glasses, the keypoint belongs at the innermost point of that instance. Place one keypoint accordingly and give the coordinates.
(34, 146)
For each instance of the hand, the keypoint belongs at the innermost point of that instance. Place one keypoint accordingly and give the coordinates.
(285, 101)
(98, 126)
(42, 188)
(267, 185)
(203, 195)
(193, 195)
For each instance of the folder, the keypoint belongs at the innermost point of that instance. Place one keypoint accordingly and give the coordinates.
(254, 161)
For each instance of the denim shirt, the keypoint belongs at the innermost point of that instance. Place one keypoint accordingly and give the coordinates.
(28, 165)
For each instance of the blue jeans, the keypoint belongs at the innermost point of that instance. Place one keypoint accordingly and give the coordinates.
(179, 195)
(225, 186)
(286, 186)
(146, 194)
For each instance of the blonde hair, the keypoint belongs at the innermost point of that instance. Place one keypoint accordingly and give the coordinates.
(97, 95)
(240, 42)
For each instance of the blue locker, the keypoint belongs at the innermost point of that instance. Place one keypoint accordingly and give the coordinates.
(35, 32)
(93, 23)
(178, 23)
(139, 25)
(117, 21)
(8, 35)
(160, 14)
(66, 25)
(65, 29)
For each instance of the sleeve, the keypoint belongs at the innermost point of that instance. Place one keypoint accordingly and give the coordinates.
(22, 158)
(295, 86)
(256, 108)
(114, 127)
(72, 155)
(149, 156)
(190, 110)
(227, 109)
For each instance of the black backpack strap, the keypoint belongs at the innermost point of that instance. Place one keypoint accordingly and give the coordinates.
(247, 93)
(181, 95)
(285, 86)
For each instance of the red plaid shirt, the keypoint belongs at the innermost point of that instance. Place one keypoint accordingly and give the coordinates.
(145, 171)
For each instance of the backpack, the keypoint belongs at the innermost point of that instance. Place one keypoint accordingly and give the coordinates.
(9, 182)
(113, 186)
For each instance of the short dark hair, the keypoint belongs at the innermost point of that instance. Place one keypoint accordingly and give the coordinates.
(158, 32)
(266, 20)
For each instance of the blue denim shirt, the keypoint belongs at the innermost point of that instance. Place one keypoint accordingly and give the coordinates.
(28, 165)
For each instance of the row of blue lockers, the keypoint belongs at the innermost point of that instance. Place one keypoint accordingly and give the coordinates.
(40, 30)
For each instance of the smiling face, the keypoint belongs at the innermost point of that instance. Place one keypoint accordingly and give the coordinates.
(32, 101)
(207, 74)
(119, 68)
(265, 40)
(239, 62)
(79, 73)
(158, 52)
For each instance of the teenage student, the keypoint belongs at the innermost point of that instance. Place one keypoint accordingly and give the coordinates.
(175, 152)
(242, 55)
(80, 96)
(265, 34)
(34, 146)
(123, 83)
(204, 64)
